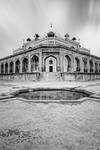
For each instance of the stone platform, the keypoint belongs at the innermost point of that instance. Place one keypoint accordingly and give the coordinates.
(49, 126)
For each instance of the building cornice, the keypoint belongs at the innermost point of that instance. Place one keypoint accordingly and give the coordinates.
(49, 46)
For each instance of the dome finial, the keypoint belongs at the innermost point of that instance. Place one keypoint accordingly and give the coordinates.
(51, 25)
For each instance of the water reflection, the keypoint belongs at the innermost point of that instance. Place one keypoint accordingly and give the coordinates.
(52, 95)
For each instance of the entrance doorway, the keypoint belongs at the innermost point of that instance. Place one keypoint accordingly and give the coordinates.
(51, 64)
(50, 68)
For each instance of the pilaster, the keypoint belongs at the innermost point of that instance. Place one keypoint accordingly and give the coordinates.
(20, 65)
(29, 64)
(4, 68)
(72, 64)
(61, 61)
(0, 68)
(40, 61)
(88, 65)
(14, 66)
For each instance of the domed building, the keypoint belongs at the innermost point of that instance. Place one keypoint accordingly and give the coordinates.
(50, 58)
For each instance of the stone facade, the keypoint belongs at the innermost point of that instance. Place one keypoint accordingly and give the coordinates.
(50, 58)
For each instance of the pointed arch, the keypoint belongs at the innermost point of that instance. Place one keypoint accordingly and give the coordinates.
(50, 64)
(2, 68)
(25, 65)
(11, 67)
(6, 67)
(96, 67)
(77, 64)
(67, 63)
(34, 63)
(17, 66)
(85, 65)
(91, 65)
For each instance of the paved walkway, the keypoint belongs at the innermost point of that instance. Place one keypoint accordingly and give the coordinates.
(28, 125)
(91, 86)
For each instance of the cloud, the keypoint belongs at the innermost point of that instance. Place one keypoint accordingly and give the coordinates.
(22, 18)
(90, 39)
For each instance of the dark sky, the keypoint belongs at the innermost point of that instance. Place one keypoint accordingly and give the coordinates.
(20, 19)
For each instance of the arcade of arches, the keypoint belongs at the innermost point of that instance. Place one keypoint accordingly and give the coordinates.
(51, 64)
(50, 57)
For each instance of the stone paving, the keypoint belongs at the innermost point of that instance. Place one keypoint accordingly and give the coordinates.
(53, 126)
(92, 86)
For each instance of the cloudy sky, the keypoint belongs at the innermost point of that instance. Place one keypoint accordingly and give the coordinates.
(20, 19)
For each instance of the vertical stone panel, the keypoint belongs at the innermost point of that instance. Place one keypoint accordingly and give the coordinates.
(29, 63)
(4, 68)
(88, 65)
(72, 63)
(61, 60)
(8, 67)
(40, 61)
(81, 65)
(0, 68)
(20, 65)
(14, 66)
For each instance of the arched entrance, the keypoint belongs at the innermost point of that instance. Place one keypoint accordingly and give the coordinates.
(91, 65)
(51, 64)
(34, 63)
(25, 65)
(67, 64)
(6, 68)
(77, 61)
(11, 67)
(17, 66)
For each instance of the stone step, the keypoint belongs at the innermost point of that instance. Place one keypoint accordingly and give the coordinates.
(50, 76)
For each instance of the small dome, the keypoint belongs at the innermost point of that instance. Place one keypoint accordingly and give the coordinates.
(74, 38)
(28, 39)
(51, 34)
(36, 36)
(66, 35)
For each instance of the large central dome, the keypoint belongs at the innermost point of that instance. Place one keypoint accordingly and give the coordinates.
(51, 34)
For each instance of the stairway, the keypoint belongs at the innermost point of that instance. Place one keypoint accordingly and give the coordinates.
(50, 76)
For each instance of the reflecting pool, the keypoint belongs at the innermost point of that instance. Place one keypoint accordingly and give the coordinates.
(51, 95)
